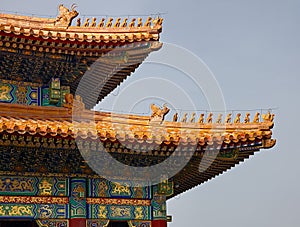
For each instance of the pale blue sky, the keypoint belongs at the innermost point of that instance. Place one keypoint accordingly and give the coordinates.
(253, 49)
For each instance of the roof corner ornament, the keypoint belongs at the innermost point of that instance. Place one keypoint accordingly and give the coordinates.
(76, 105)
(268, 117)
(158, 114)
(65, 17)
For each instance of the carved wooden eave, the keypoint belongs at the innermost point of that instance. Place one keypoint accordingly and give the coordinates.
(129, 136)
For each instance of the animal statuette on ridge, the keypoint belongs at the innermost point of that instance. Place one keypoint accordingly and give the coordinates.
(228, 118)
(201, 119)
(247, 118)
(148, 22)
(209, 118)
(219, 119)
(140, 22)
(86, 23)
(175, 117)
(184, 119)
(101, 23)
(93, 24)
(117, 23)
(237, 118)
(158, 113)
(192, 119)
(78, 22)
(124, 23)
(132, 23)
(109, 23)
(256, 118)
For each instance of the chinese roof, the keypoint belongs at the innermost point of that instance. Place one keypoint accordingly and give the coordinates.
(40, 138)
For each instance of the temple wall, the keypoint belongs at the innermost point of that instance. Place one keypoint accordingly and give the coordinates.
(70, 202)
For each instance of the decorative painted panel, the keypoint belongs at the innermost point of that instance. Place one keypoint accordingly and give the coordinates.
(96, 222)
(33, 94)
(105, 188)
(119, 212)
(165, 188)
(105, 222)
(140, 224)
(33, 186)
(158, 204)
(78, 198)
(53, 223)
(54, 91)
(20, 92)
(7, 93)
(35, 211)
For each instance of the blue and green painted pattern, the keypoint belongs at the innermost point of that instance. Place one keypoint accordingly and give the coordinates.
(34, 211)
(158, 204)
(30, 186)
(33, 94)
(78, 198)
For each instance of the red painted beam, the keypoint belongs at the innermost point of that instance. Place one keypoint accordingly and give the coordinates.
(77, 222)
(159, 223)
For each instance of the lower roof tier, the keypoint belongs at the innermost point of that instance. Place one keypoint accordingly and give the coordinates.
(51, 141)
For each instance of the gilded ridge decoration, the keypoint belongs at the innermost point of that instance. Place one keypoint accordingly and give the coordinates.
(65, 16)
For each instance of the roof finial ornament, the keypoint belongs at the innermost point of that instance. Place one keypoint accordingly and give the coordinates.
(268, 117)
(158, 21)
(74, 105)
(65, 16)
(158, 113)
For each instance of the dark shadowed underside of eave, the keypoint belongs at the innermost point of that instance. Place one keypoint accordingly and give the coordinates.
(101, 73)
(191, 177)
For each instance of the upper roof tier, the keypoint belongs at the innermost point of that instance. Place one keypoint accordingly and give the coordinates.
(36, 49)
(104, 30)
